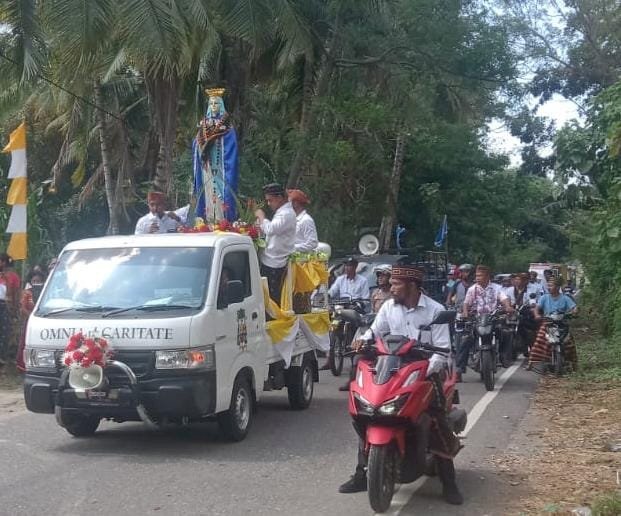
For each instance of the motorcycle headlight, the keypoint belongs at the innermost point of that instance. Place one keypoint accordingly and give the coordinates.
(186, 359)
(394, 406)
(484, 330)
(40, 358)
(363, 406)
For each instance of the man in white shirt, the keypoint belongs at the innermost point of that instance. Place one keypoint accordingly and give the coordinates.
(157, 220)
(350, 284)
(181, 215)
(280, 236)
(306, 232)
(404, 314)
(484, 297)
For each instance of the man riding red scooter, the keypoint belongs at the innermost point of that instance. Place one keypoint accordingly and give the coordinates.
(401, 399)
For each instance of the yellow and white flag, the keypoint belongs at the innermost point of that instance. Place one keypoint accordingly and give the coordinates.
(18, 194)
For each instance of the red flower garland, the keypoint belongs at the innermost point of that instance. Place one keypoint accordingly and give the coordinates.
(81, 351)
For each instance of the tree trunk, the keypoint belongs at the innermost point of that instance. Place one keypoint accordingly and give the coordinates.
(163, 94)
(113, 225)
(392, 196)
(309, 107)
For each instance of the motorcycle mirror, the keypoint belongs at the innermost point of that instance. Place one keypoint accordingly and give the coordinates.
(533, 296)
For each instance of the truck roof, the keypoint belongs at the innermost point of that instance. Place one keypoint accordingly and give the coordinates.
(160, 240)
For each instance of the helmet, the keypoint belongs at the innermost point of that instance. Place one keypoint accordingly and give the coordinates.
(383, 268)
(466, 267)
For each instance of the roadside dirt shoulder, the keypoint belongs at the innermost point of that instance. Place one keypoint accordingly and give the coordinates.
(561, 455)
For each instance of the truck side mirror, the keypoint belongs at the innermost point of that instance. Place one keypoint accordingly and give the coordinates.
(234, 292)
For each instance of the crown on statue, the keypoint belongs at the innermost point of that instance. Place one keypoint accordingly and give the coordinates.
(215, 92)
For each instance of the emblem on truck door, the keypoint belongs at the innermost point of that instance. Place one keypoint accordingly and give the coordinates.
(242, 330)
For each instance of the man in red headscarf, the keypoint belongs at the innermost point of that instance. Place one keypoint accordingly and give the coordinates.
(305, 230)
(404, 314)
(157, 220)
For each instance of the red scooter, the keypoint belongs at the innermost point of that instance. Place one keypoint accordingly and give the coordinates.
(389, 401)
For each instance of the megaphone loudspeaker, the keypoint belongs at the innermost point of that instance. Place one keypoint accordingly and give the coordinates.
(368, 244)
(83, 378)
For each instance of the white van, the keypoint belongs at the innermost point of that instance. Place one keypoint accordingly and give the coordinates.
(185, 316)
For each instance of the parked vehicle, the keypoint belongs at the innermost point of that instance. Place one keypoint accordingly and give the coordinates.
(388, 402)
(347, 316)
(185, 316)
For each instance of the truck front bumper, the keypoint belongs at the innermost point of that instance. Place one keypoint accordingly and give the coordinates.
(177, 395)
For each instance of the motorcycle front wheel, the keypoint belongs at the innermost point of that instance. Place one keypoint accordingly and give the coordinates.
(336, 364)
(488, 369)
(557, 362)
(381, 476)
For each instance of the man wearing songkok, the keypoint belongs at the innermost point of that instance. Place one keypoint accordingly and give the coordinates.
(305, 230)
(483, 297)
(350, 284)
(157, 220)
(280, 236)
(404, 314)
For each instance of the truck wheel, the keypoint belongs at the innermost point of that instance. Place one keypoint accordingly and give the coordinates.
(79, 425)
(301, 386)
(235, 422)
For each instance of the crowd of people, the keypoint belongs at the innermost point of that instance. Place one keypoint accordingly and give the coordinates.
(291, 228)
(16, 304)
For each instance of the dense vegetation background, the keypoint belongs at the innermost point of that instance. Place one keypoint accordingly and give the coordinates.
(380, 109)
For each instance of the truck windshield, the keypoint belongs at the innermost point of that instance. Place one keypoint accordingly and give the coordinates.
(104, 280)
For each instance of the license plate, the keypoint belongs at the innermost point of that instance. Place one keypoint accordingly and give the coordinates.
(111, 395)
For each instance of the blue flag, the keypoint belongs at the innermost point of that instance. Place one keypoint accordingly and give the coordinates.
(441, 234)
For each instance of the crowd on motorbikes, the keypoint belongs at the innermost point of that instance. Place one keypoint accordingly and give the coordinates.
(411, 351)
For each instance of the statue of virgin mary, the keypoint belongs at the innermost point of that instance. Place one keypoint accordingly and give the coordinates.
(216, 169)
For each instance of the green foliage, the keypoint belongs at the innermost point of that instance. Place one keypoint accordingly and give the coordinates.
(607, 505)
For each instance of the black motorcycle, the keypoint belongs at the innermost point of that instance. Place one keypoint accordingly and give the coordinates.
(347, 317)
(557, 334)
(483, 358)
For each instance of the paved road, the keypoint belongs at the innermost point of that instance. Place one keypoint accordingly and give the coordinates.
(291, 463)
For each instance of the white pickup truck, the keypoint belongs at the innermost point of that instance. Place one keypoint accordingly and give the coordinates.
(185, 317)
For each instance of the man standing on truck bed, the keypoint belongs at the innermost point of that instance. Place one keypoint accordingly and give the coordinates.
(280, 236)
(157, 220)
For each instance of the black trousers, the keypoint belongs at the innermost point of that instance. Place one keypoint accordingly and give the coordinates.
(5, 330)
(275, 278)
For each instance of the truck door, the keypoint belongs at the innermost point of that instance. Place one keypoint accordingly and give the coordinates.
(238, 329)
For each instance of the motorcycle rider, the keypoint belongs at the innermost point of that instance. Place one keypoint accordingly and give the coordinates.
(350, 283)
(404, 314)
(457, 294)
(482, 298)
(382, 292)
(554, 302)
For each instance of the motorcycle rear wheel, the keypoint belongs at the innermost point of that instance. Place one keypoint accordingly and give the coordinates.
(336, 364)
(381, 476)
(488, 370)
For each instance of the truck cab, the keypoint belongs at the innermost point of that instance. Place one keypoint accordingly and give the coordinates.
(185, 317)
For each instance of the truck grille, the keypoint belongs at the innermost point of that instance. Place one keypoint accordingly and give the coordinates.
(140, 362)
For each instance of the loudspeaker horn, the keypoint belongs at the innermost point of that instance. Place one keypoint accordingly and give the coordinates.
(84, 378)
(368, 244)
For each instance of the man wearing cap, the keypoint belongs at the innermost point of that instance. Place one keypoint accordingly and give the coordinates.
(280, 236)
(404, 314)
(305, 230)
(157, 220)
(350, 284)
(457, 294)
(482, 298)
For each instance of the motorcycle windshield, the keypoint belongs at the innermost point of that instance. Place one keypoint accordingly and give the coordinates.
(385, 367)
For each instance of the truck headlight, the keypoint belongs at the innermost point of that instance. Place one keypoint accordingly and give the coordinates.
(40, 358)
(203, 358)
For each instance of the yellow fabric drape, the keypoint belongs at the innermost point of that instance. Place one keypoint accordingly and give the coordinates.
(18, 246)
(318, 322)
(309, 275)
(18, 191)
(280, 329)
(17, 140)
